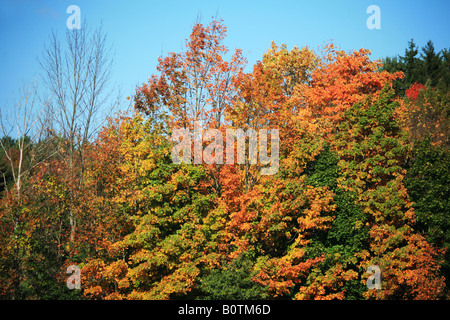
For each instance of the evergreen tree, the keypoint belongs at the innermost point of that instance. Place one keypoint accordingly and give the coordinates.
(392, 65)
(412, 65)
(428, 186)
(432, 64)
(446, 67)
(427, 67)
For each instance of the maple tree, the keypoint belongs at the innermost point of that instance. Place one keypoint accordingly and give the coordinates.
(413, 92)
(426, 114)
(341, 81)
(158, 256)
(194, 85)
(424, 117)
(377, 178)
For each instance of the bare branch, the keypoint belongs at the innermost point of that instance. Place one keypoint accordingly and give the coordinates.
(22, 127)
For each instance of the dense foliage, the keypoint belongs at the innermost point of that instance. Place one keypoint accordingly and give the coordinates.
(363, 180)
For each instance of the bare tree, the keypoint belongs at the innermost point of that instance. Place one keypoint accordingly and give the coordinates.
(77, 77)
(20, 129)
(22, 125)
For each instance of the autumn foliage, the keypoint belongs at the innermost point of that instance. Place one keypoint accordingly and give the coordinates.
(147, 228)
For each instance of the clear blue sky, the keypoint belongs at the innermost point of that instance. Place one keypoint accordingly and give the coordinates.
(140, 31)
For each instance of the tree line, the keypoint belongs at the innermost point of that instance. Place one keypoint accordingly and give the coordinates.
(362, 180)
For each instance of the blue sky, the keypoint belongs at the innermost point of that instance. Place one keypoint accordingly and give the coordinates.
(140, 31)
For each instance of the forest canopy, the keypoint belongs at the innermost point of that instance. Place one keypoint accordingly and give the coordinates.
(363, 179)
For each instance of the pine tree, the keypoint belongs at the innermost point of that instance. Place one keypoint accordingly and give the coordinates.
(412, 65)
(431, 64)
